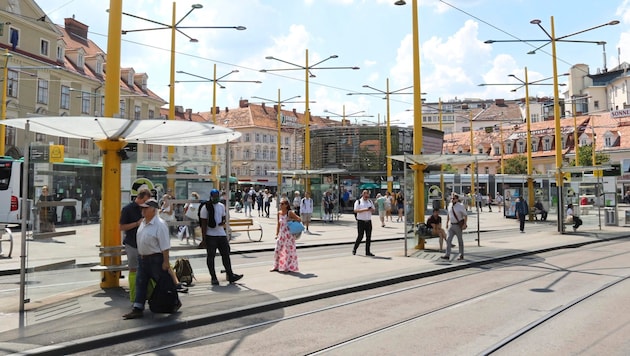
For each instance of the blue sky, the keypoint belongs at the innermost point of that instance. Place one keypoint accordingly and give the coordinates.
(374, 35)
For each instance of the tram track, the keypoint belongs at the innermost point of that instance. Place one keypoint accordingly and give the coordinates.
(371, 297)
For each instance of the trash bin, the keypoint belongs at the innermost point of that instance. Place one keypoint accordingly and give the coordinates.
(611, 217)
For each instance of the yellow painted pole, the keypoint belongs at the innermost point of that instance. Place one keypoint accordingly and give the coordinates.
(5, 82)
(171, 170)
(110, 234)
(575, 135)
(388, 138)
(530, 181)
(213, 149)
(472, 165)
(418, 201)
(442, 202)
(307, 132)
(556, 118)
(279, 147)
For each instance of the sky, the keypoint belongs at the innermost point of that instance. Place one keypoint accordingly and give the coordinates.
(374, 35)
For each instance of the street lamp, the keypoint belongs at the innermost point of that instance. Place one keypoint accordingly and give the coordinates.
(175, 27)
(387, 93)
(215, 81)
(526, 83)
(279, 140)
(307, 115)
(418, 201)
(552, 39)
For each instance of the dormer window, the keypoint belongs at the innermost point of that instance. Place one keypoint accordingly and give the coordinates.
(80, 60)
(547, 144)
(508, 148)
(44, 47)
(521, 146)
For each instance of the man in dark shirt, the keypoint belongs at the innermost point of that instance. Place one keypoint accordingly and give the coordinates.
(541, 209)
(130, 219)
(435, 224)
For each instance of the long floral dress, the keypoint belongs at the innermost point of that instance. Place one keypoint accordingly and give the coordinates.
(285, 254)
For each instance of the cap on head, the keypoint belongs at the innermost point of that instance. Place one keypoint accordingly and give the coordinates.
(151, 203)
(214, 193)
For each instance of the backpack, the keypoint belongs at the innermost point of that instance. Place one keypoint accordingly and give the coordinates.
(184, 271)
(210, 209)
(164, 298)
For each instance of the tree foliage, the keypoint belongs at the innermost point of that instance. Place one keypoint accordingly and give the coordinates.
(585, 157)
(515, 165)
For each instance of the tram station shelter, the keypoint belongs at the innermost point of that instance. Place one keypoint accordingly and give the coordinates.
(433, 193)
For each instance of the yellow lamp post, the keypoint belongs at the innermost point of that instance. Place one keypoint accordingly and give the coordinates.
(526, 83)
(552, 39)
(387, 93)
(307, 115)
(215, 81)
(418, 199)
(174, 27)
(279, 139)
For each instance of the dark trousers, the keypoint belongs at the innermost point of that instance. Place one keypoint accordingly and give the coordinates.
(267, 206)
(576, 222)
(148, 267)
(543, 215)
(364, 228)
(212, 244)
(521, 220)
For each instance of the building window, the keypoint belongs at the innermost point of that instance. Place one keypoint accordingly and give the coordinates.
(246, 154)
(480, 150)
(596, 104)
(287, 141)
(257, 153)
(59, 53)
(80, 60)
(42, 91)
(608, 141)
(122, 109)
(497, 150)
(136, 112)
(9, 139)
(99, 67)
(40, 137)
(547, 144)
(64, 141)
(14, 37)
(265, 139)
(521, 146)
(65, 97)
(151, 114)
(85, 145)
(487, 170)
(12, 84)
(265, 155)
(43, 48)
(564, 141)
(257, 137)
(85, 103)
(508, 149)
(248, 137)
(272, 139)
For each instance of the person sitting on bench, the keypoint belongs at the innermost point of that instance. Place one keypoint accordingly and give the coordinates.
(540, 209)
(435, 224)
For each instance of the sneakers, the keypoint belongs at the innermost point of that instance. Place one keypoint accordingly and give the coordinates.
(234, 278)
(181, 288)
(134, 314)
(214, 282)
(370, 254)
(446, 257)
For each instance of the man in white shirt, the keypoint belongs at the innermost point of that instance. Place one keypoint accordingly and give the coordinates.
(306, 210)
(154, 242)
(213, 232)
(363, 208)
(456, 221)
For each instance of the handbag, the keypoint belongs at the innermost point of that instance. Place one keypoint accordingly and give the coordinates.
(295, 227)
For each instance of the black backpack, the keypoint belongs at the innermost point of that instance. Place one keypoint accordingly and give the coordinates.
(164, 298)
(209, 209)
(184, 271)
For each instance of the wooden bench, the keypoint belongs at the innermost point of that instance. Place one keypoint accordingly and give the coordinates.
(110, 254)
(246, 225)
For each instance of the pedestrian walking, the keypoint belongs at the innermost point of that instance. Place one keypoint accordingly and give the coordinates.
(213, 232)
(400, 206)
(285, 253)
(130, 219)
(297, 200)
(522, 209)
(363, 208)
(154, 243)
(380, 204)
(306, 211)
(191, 214)
(247, 202)
(499, 201)
(388, 207)
(456, 220)
(268, 199)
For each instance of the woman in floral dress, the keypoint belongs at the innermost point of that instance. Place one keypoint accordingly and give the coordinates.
(285, 254)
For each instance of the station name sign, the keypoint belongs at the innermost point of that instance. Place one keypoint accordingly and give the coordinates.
(616, 114)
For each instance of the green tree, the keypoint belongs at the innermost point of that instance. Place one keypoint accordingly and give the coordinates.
(447, 168)
(515, 165)
(585, 157)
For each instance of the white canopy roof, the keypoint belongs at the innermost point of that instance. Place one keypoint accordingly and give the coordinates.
(154, 131)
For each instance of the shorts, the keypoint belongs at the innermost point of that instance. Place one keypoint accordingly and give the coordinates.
(132, 257)
(306, 217)
(381, 213)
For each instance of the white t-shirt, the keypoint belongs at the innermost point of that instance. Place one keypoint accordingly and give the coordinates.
(459, 210)
(363, 204)
(153, 237)
(306, 206)
(219, 213)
